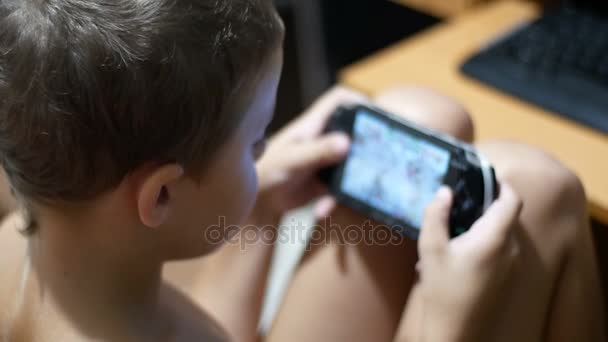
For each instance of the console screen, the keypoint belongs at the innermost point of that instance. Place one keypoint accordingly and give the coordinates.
(391, 170)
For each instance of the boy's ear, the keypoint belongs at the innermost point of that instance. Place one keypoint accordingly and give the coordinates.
(154, 195)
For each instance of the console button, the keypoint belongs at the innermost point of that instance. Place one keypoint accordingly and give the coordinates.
(464, 203)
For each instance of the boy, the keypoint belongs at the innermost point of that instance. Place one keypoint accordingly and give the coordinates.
(119, 121)
(127, 130)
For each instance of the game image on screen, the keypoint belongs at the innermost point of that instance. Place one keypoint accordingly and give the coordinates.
(391, 170)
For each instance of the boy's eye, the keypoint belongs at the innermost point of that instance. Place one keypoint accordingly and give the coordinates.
(258, 148)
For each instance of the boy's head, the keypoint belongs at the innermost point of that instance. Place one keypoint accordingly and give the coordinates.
(119, 97)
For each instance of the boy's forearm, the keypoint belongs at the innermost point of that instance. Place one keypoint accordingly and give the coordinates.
(446, 333)
(450, 333)
(422, 323)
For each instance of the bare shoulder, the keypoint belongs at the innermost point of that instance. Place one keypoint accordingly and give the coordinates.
(193, 323)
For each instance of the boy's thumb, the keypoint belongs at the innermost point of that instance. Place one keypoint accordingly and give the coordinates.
(434, 235)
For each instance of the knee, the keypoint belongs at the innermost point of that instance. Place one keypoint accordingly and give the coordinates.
(554, 198)
(559, 188)
(428, 108)
(568, 196)
(564, 194)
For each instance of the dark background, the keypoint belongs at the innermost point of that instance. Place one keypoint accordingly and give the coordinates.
(325, 35)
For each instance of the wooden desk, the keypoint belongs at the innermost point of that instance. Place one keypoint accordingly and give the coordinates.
(433, 59)
(440, 8)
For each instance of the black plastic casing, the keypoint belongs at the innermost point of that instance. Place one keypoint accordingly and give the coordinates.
(470, 176)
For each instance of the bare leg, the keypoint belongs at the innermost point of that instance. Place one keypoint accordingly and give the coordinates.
(357, 292)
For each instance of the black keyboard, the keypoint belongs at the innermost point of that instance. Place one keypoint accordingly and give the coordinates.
(559, 62)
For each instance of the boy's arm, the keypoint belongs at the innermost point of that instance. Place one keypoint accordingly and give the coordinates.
(461, 278)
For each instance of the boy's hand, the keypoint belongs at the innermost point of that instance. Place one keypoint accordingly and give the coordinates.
(288, 169)
(460, 277)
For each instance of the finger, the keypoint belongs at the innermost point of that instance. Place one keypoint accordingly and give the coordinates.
(324, 206)
(336, 96)
(321, 152)
(313, 120)
(434, 235)
(499, 220)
